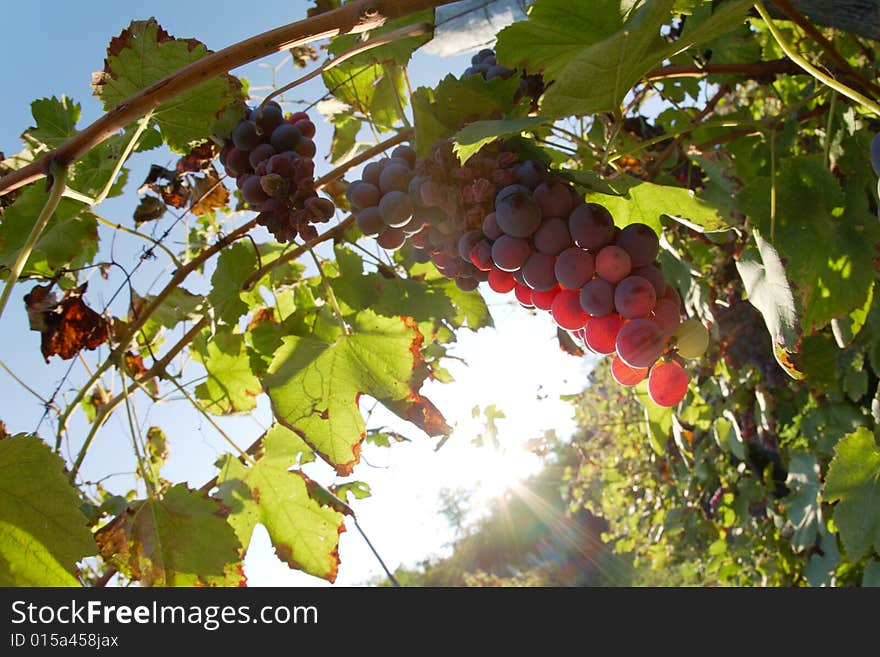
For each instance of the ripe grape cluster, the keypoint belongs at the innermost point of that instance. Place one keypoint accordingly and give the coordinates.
(270, 156)
(521, 229)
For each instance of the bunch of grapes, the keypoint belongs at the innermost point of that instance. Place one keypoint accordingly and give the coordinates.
(270, 156)
(486, 65)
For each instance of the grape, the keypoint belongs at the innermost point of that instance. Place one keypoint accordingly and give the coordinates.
(306, 148)
(554, 199)
(516, 211)
(634, 297)
(667, 384)
(491, 229)
(321, 209)
(273, 184)
(672, 294)
(626, 375)
(306, 128)
(467, 242)
(297, 116)
(530, 173)
(285, 138)
(391, 239)
(654, 275)
(640, 241)
(591, 226)
(480, 255)
(260, 153)
(640, 343)
(394, 177)
(523, 294)
(574, 267)
(667, 316)
(245, 136)
(483, 54)
(567, 311)
(364, 195)
(497, 71)
(413, 226)
(369, 220)
(552, 236)
(252, 191)
(469, 71)
(875, 154)
(510, 253)
(269, 118)
(538, 272)
(691, 339)
(466, 283)
(613, 264)
(395, 208)
(371, 173)
(281, 164)
(543, 299)
(597, 297)
(600, 333)
(501, 281)
(237, 161)
(405, 153)
(420, 255)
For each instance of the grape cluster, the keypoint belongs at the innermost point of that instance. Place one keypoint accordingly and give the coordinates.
(270, 156)
(521, 229)
(486, 65)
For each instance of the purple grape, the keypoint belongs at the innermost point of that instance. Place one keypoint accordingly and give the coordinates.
(597, 297)
(285, 138)
(510, 253)
(591, 226)
(538, 272)
(574, 267)
(516, 211)
(640, 241)
(552, 237)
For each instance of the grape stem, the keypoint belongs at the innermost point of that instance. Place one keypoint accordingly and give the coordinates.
(59, 183)
(350, 18)
(796, 57)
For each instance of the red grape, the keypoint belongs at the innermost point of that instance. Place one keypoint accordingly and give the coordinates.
(626, 375)
(634, 297)
(613, 264)
(501, 281)
(567, 311)
(667, 384)
(574, 267)
(640, 342)
(600, 333)
(510, 253)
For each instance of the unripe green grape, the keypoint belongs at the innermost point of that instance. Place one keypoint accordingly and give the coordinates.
(691, 339)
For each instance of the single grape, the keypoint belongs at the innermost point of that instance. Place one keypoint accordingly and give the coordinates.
(245, 136)
(260, 153)
(395, 177)
(391, 239)
(306, 128)
(297, 116)
(530, 173)
(667, 384)
(574, 267)
(654, 275)
(396, 209)
(306, 148)
(667, 316)
(516, 211)
(510, 253)
(282, 164)
(321, 209)
(554, 199)
(371, 172)
(523, 295)
(634, 297)
(467, 242)
(626, 375)
(238, 161)
(501, 281)
(420, 255)
(252, 191)
(640, 241)
(567, 311)
(480, 255)
(363, 194)
(597, 297)
(538, 271)
(543, 299)
(640, 343)
(613, 264)
(406, 153)
(552, 236)
(591, 226)
(369, 220)
(285, 138)
(691, 339)
(600, 333)
(274, 185)
(491, 229)
(466, 283)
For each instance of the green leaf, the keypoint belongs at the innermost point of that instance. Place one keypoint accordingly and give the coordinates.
(315, 385)
(802, 504)
(853, 481)
(42, 531)
(70, 239)
(872, 574)
(646, 203)
(55, 122)
(305, 534)
(658, 420)
(231, 386)
(822, 565)
(284, 448)
(143, 54)
(768, 290)
(181, 539)
(826, 235)
(846, 329)
(345, 131)
(180, 305)
(473, 137)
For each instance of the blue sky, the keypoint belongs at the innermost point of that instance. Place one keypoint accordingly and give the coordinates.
(51, 48)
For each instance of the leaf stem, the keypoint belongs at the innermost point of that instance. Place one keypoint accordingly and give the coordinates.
(143, 124)
(841, 88)
(331, 297)
(59, 183)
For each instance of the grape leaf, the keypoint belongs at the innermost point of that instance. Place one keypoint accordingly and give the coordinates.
(826, 235)
(769, 291)
(178, 306)
(143, 54)
(305, 533)
(802, 504)
(474, 136)
(42, 531)
(284, 448)
(853, 481)
(181, 539)
(872, 574)
(70, 239)
(646, 203)
(315, 384)
(231, 386)
(55, 122)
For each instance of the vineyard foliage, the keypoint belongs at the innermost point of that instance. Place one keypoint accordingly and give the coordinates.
(746, 149)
